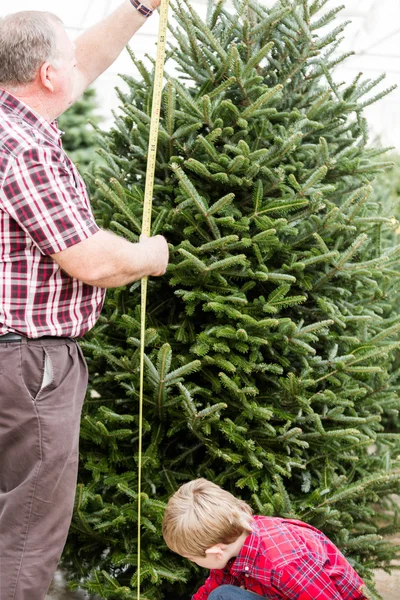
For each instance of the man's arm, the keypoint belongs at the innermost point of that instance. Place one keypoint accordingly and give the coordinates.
(43, 197)
(106, 260)
(100, 46)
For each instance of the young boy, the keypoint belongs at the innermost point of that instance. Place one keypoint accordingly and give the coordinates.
(248, 556)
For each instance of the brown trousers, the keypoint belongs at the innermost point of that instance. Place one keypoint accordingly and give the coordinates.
(42, 387)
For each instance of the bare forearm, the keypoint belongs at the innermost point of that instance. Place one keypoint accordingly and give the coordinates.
(106, 260)
(100, 46)
(121, 264)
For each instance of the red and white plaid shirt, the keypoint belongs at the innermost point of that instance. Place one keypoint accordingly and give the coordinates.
(44, 209)
(288, 559)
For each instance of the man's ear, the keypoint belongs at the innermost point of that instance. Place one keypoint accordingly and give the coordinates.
(217, 550)
(45, 72)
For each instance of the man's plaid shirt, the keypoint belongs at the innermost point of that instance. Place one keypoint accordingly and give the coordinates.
(44, 209)
(288, 559)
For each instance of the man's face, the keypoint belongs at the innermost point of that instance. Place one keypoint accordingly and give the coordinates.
(64, 70)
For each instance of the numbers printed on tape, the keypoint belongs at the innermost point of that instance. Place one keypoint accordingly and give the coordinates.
(155, 118)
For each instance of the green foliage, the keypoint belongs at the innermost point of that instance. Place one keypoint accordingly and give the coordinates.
(79, 139)
(386, 194)
(271, 341)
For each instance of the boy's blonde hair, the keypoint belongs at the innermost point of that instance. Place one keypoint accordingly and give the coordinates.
(201, 514)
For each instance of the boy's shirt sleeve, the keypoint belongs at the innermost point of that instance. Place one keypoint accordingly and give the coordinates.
(216, 578)
(306, 579)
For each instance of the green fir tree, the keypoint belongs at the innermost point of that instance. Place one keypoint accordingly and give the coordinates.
(270, 343)
(386, 191)
(77, 123)
(386, 195)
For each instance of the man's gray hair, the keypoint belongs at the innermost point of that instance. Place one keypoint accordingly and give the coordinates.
(27, 40)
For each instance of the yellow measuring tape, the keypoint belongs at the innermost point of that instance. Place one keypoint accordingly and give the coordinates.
(146, 228)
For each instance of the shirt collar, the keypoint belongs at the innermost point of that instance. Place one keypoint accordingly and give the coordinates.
(244, 561)
(14, 107)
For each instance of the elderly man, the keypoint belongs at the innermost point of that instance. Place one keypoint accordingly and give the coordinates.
(55, 263)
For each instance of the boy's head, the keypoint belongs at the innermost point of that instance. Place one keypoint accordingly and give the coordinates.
(201, 517)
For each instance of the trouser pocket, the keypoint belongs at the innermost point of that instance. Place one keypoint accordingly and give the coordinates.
(48, 374)
(36, 370)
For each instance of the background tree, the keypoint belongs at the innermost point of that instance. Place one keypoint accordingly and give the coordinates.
(78, 123)
(386, 194)
(270, 344)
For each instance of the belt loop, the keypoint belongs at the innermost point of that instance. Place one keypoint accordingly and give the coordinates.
(24, 340)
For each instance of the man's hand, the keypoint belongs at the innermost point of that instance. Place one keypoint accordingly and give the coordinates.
(157, 248)
(152, 4)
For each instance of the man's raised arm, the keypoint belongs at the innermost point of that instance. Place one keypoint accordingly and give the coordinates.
(100, 45)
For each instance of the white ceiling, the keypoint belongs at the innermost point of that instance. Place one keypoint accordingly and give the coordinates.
(374, 36)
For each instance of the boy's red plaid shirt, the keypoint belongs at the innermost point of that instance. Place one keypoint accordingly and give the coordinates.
(288, 559)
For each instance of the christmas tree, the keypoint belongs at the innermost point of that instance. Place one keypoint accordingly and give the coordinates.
(271, 342)
(78, 123)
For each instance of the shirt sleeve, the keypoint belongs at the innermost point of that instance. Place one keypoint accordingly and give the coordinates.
(306, 579)
(47, 200)
(216, 578)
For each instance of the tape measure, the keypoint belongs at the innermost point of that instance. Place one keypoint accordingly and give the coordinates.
(146, 228)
